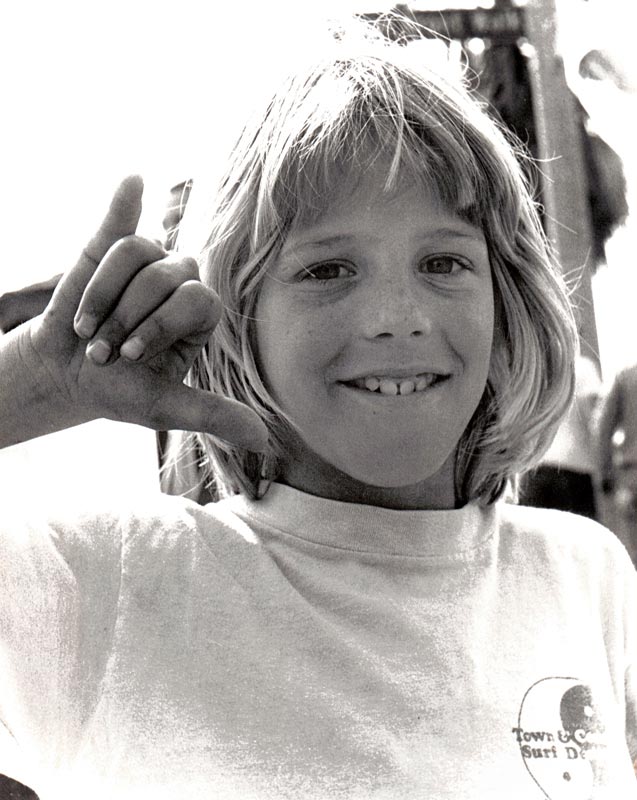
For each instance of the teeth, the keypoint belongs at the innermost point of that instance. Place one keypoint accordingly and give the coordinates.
(423, 383)
(395, 386)
(388, 386)
(372, 384)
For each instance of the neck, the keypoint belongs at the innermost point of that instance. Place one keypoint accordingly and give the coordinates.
(324, 480)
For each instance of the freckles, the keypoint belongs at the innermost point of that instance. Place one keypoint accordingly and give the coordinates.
(313, 330)
(480, 316)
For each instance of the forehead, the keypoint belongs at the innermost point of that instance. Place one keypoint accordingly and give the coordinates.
(378, 152)
(369, 192)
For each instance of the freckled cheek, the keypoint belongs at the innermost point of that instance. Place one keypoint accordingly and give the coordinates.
(473, 337)
(310, 347)
(482, 324)
(291, 355)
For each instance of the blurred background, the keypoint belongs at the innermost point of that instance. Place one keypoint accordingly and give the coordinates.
(92, 91)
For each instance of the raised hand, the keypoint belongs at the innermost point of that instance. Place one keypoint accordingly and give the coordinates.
(122, 329)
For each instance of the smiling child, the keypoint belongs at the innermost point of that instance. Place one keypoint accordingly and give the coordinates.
(376, 340)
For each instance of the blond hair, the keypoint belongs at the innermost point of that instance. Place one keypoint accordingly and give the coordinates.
(354, 105)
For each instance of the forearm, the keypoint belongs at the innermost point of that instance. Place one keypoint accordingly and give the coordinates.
(31, 404)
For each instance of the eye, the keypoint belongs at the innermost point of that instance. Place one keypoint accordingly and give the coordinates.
(443, 264)
(326, 271)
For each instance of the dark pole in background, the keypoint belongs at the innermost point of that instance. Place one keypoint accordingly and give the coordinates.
(564, 182)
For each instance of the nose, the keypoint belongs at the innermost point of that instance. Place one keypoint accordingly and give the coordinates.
(396, 310)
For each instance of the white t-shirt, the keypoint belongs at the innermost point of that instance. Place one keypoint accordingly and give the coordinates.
(297, 647)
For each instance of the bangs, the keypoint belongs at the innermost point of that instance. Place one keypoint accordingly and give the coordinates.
(315, 139)
(352, 118)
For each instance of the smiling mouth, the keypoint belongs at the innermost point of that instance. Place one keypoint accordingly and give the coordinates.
(396, 386)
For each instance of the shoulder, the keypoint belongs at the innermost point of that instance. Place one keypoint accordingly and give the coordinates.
(552, 523)
(110, 530)
(99, 532)
(561, 534)
(161, 528)
(566, 555)
(155, 522)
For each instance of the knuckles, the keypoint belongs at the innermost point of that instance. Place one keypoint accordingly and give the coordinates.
(190, 266)
(134, 247)
(204, 302)
(171, 271)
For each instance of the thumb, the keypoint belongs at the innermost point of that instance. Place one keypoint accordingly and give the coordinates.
(181, 407)
(120, 220)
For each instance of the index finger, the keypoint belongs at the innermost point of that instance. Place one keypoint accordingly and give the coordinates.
(120, 220)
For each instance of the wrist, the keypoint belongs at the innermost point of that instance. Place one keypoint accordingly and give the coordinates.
(32, 403)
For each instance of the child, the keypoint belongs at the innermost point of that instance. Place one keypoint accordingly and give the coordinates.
(360, 615)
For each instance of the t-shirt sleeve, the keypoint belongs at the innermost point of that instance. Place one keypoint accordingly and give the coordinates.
(59, 585)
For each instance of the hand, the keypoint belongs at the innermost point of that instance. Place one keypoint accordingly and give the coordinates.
(23, 304)
(123, 328)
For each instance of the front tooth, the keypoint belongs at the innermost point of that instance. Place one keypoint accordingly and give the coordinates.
(372, 384)
(406, 387)
(388, 387)
(423, 383)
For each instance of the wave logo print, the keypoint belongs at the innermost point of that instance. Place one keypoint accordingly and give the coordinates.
(561, 738)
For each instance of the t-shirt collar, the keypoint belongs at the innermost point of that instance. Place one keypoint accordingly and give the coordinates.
(365, 528)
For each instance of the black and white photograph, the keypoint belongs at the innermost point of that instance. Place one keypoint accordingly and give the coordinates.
(318, 400)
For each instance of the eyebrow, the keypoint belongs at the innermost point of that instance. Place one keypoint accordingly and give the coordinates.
(345, 238)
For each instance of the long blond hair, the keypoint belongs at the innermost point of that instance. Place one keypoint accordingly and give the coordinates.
(365, 99)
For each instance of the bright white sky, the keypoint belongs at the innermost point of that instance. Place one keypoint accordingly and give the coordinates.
(95, 90)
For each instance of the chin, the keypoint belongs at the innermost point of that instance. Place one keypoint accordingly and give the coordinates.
(402, 473)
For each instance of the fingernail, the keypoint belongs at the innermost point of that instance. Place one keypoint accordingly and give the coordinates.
(85, 325)
(98, 351)
(132, 348)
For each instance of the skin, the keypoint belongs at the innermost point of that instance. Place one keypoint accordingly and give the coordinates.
(119, 334)
(380, 285)
(24, 304)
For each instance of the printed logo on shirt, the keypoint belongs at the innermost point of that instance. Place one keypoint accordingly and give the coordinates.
(561, 738)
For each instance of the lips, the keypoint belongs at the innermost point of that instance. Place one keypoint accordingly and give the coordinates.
(396, 385)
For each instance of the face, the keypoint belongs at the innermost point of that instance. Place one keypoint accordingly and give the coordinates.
(374, 333)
